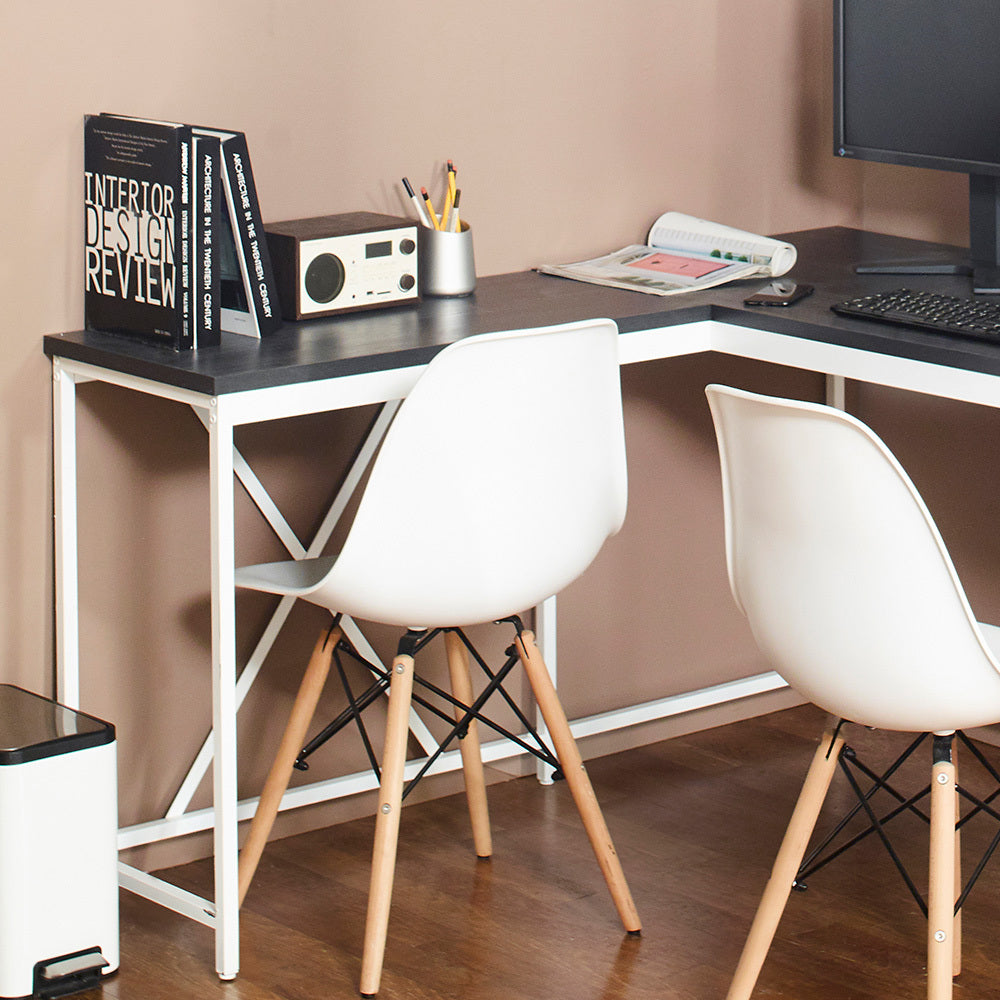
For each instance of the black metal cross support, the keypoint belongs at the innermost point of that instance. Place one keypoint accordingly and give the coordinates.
(530, 741)
(824, 852)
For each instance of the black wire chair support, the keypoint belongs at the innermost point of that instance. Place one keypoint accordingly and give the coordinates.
(530, 741)
(824, 852)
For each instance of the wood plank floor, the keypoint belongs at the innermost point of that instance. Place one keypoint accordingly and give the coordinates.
(697, 821)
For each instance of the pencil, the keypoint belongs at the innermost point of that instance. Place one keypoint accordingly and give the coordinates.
(417, 204)
(430, 208)
(450, 198)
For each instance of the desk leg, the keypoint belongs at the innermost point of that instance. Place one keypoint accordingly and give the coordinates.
(66, 556)
(227, 931)
(545, 640)
(836, 391)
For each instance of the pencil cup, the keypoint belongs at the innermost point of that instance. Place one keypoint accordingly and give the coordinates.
(447, 264)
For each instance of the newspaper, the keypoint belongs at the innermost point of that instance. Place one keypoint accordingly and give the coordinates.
(683, 254)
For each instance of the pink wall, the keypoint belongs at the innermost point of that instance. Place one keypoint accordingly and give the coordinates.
(573, 124)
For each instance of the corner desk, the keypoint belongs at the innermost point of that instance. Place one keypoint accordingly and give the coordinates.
(376, 357)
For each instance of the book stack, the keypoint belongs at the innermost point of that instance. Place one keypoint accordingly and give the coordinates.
(175, 248)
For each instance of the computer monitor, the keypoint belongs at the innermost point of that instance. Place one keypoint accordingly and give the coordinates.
(917, 82)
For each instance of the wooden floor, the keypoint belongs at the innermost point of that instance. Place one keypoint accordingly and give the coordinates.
(697, 821)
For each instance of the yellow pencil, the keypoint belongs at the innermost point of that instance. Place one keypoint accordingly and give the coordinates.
(449, 198)
(430, 208)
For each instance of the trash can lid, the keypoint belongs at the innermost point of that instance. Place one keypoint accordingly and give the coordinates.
(33, 727)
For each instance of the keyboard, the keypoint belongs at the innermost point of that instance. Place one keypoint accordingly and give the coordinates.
(948, 314)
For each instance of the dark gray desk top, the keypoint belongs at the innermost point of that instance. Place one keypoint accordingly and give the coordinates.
(411, 334)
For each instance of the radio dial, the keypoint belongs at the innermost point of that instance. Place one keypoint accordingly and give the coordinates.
(406, 282)
(407, 246)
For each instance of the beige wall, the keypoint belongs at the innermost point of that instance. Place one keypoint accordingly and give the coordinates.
(573, 125)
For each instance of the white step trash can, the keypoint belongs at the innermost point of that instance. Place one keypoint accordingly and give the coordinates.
(58, 847)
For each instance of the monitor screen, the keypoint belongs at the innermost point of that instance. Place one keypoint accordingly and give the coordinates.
(917, 82)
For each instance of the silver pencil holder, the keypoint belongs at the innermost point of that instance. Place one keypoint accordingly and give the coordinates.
(447, 263)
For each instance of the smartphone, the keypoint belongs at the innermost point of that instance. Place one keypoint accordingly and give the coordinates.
(779, 293)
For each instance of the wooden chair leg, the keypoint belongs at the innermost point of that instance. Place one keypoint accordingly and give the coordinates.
(281, 769)
(786, 865)
(941, 883)
(576, 777)
(956, 960)
(472, 761)
(387, 824)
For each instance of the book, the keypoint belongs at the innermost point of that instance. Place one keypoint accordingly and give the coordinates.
(249, 297)
(206, 156)
(683, 254)
(137, 204)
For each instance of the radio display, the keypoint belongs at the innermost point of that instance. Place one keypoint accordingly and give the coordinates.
(382, 249)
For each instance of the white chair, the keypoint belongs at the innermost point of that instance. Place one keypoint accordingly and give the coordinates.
(499, 480)
(851, 595)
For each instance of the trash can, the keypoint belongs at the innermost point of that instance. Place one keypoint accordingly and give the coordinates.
(58, 847)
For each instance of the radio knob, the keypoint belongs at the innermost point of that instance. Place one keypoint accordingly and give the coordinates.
(406, 282)
(407, 246)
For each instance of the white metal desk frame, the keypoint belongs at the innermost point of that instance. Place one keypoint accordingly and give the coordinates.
(220, 415)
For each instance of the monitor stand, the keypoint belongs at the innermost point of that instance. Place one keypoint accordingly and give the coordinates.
(984, 265)
(985, 277)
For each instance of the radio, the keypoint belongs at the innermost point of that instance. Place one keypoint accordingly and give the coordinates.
(337, 263)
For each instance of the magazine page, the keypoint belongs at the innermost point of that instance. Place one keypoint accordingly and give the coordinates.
(682, 254)
(677, 231)
(642, 268)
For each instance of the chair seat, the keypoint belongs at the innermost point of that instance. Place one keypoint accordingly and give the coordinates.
(991, 633)
(298, 578)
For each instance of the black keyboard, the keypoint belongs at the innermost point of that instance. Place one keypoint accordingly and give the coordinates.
(949, 314)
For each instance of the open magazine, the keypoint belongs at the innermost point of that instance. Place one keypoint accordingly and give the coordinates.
(683, 254)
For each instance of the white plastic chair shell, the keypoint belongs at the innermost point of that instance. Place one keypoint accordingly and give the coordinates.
(500, 478)
(842, 574)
